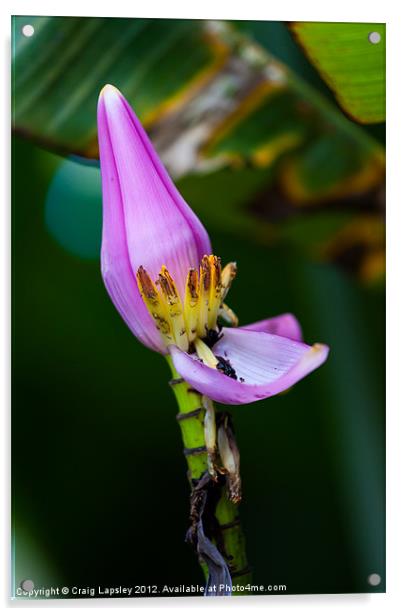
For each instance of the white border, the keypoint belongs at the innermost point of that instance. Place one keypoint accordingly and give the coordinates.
(287, 10)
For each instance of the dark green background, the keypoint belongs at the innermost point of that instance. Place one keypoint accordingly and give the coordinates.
(100, 495)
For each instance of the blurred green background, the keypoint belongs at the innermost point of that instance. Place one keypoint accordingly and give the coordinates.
(100, 495)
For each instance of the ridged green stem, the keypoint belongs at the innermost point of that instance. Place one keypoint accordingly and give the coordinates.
(226, 513)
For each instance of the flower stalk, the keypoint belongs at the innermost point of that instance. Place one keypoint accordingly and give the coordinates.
(195, 419)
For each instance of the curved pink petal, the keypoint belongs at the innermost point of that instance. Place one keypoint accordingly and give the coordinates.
(160, 227)
(283, 325)
(265, 365)
(118, 276)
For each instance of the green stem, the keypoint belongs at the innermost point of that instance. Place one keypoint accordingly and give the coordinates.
(191, 422)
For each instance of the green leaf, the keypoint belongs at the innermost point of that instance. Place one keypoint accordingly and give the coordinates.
(207, 94)
(352, 66)
(271, 126)
(59, 72)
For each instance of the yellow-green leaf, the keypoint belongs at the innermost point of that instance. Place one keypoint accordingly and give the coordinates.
(352, 66)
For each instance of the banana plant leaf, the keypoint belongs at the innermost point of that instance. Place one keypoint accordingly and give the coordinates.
(58, 73)
(252, 145)
(209, 95)
(352, 66)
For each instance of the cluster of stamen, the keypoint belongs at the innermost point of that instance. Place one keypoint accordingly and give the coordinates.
(194, 322)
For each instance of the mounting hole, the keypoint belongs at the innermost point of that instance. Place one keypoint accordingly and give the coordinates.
(374, 37)
(28, 30)
(374, 579)
(27, 585)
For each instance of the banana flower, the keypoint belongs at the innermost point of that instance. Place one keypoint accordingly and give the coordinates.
(162, 276)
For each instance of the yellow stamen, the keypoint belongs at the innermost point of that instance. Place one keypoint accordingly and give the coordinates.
(205, 286)
(215, 291)
(174, 308)
(228, 316)
(155, 304)
(191, 304)
(205, 353)
(228, 275)
(189, 319)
